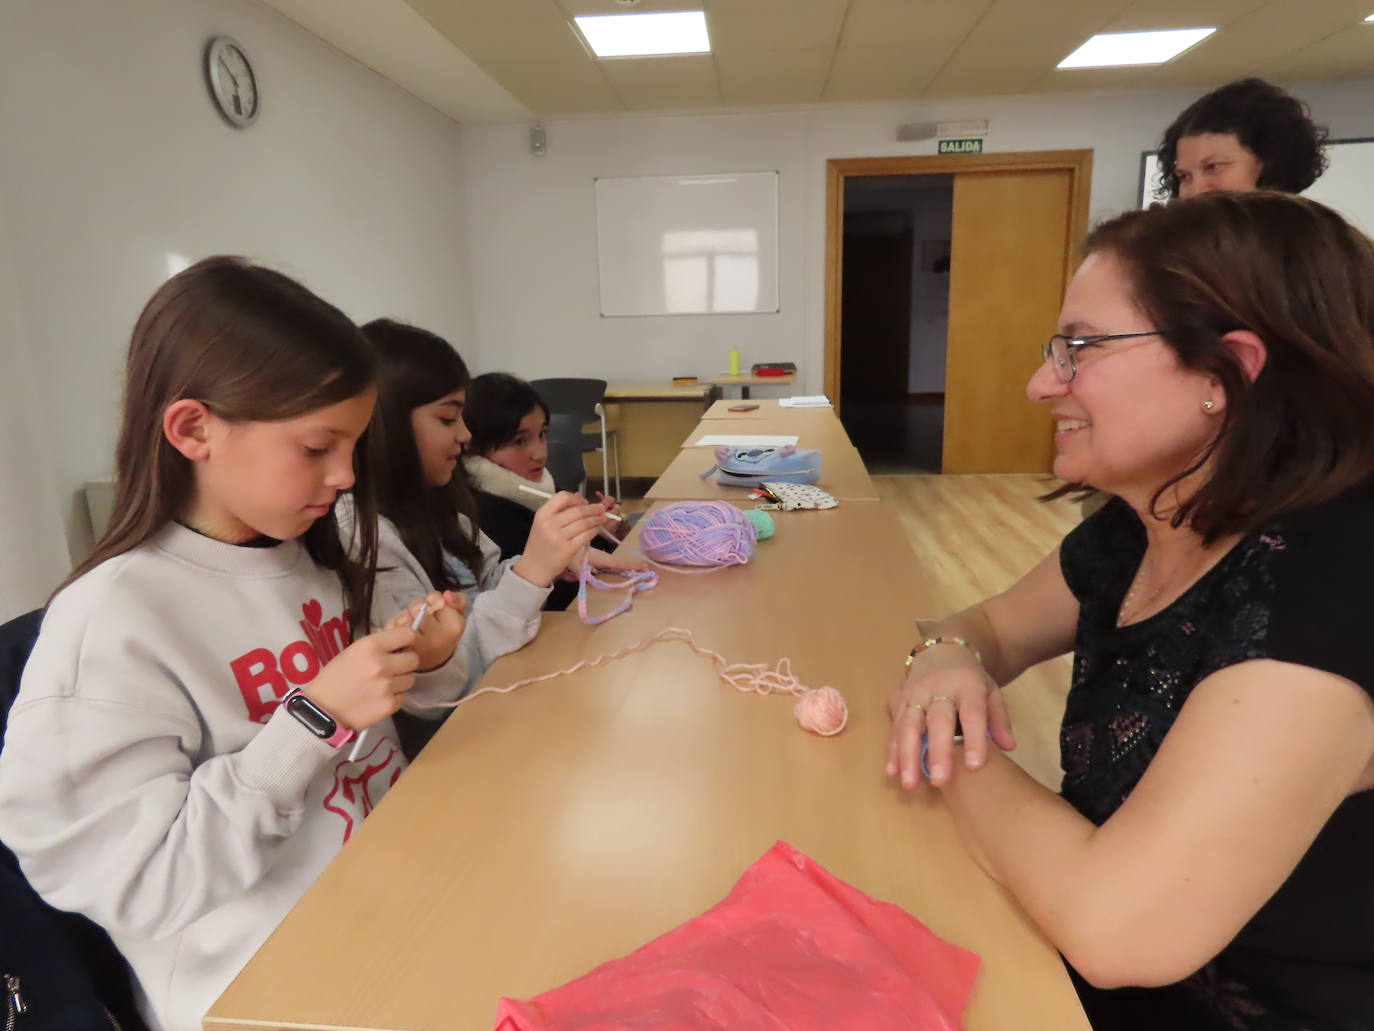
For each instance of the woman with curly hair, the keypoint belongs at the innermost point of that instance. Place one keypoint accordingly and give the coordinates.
(1247, 135)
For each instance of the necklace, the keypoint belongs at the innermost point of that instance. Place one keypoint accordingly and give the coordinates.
(1127, 609)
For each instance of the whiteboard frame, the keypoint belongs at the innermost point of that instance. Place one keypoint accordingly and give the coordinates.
(774, 256)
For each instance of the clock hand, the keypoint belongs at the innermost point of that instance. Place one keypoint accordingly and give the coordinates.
(229, 71)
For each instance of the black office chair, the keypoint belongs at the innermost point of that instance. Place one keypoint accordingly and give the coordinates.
(565, 452)
(69, 973)
(583, 398)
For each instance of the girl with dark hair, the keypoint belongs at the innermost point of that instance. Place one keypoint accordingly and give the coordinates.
(176, 763)
(510, 449)
(429, 537)
(1247, 135)
(1205, 864)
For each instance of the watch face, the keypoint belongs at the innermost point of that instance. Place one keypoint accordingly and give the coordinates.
(316, 720)
(232, 83)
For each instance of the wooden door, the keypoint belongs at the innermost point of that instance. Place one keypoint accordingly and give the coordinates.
(1008, 261)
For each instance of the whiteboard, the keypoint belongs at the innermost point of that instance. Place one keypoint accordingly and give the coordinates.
(1344, 186)
(688, 244)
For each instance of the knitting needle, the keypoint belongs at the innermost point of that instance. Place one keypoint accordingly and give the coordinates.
(357, 749)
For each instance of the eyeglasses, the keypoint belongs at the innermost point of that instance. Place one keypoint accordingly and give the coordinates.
(1061, 349)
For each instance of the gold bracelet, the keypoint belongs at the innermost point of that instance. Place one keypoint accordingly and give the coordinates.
(931, 642)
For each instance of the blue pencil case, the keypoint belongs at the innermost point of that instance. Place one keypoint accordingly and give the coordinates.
(750, 466)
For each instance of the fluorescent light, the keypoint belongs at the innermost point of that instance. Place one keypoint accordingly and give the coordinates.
(644, 35)
(1370, 18)
(1108, 49)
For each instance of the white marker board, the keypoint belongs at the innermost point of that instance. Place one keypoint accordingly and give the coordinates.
(688, 244)
(1345, 186)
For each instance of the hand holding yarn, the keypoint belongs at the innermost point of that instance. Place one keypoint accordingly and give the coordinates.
(563, 526)
(438, 630)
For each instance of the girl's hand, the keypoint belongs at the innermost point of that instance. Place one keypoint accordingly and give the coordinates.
(562, 527)
(367, 681)
(617, 527)
(439, 630)
(946, 687)
(604, 560)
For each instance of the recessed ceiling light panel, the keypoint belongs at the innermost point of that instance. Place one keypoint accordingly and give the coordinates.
(645, 35)
(1112, 49)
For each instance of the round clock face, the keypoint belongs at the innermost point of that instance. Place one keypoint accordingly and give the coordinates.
(232, 82)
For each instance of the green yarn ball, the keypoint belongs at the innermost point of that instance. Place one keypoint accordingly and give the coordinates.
(762, 521)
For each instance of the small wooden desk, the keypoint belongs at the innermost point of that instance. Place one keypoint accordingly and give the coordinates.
(746, 380)
(649, 420)
(842, 474)
(547, 831)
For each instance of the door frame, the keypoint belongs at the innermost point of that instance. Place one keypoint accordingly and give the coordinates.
(1078, 163)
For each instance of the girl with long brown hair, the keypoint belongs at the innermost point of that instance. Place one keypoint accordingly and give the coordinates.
(176, 764)
(430, 537)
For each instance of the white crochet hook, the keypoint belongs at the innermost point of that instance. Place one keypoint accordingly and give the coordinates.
(361, 739)
(546, 495)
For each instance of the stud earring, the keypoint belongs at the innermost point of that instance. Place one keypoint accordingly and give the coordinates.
(1209, 405)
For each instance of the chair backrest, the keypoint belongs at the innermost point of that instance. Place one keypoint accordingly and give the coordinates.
(69, 973)
(565, 451)
(571, 396)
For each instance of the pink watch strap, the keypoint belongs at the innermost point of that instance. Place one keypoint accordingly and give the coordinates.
(341, 736)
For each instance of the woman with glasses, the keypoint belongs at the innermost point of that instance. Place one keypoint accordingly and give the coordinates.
(1207, 862)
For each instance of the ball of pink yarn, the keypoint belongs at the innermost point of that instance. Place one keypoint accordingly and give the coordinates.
(698, 533)
(822, 711)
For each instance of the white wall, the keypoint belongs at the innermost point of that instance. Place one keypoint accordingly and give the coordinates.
(114, 161)
(34, 558)
(532, 224)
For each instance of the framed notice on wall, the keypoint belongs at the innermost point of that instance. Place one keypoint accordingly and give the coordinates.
(688, 244)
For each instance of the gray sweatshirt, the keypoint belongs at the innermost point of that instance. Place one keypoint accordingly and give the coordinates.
(150, 779)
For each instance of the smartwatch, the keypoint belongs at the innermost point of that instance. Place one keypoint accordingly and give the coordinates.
(316, 720)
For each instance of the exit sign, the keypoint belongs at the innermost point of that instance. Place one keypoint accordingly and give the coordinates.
(969, 146)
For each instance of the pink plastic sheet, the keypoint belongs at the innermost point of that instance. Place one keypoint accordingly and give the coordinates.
(791, 948)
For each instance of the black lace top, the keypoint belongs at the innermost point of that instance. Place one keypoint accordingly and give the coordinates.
(1302, 591)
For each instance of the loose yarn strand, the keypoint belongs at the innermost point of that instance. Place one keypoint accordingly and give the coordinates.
(820, 710)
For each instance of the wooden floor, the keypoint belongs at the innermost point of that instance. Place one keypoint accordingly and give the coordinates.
(977, 535)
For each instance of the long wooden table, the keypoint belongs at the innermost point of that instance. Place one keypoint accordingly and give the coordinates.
(544, 832)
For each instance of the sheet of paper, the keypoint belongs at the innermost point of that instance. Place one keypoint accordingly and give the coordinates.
(743, 440)
(813, 401)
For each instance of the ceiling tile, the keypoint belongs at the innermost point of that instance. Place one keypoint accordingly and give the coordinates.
(882, 73)
(664, 83)
(1016, 19)
(1003, 66)
(1345, 54)
(1146, 15)
(774, 25)
(794, 77)
(885, 23)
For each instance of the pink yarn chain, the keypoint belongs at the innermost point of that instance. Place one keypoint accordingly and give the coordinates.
(634, 582)
(820, 710)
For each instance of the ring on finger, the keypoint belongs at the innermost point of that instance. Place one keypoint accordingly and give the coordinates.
(943, 698)
(914, 704)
